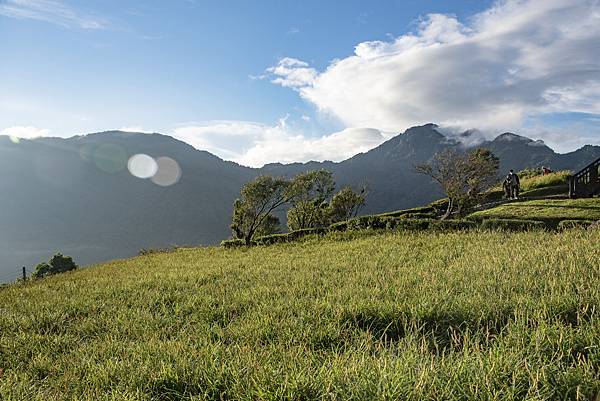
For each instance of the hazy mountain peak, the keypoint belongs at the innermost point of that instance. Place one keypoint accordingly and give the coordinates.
(510, 137)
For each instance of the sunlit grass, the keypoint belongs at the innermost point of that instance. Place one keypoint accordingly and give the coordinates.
(421, 316)
(547, 210)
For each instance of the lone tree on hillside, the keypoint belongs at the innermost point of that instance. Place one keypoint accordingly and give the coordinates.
(346, 204)
(312, 192)
(253, 212)
(463, 176)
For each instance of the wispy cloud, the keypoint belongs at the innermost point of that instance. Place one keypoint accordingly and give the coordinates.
(52, 11)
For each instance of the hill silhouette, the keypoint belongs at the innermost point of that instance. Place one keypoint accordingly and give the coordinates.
(77, 196)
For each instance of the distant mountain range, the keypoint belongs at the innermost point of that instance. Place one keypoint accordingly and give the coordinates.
(59, 195)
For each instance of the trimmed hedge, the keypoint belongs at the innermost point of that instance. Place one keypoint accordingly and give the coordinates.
(416, 211)
(453, 225)
(512, 225)
(233, 243)
(288, 237)
(408, 224)
(567, 224)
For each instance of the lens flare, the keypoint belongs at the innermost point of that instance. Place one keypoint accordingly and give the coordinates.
(110, 158)
(14, 139)
(142, 166)
(168, 172)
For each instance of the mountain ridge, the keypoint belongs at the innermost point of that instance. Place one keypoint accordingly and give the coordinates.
(59, 195)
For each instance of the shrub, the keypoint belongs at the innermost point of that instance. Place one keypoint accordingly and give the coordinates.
(512, 225)
(568, 224)
(340, 226)
(367, 222)
(233, 243)
(453, 225)
(288, 237)
(416, 210)
(57, 264)
(408, 224)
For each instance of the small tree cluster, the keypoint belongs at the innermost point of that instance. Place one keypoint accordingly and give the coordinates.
(57, 264)
(463, 176)
(310, 196)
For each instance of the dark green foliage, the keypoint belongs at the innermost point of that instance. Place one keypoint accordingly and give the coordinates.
(312, 194)
(425, 210)
(452, 225)
(289, 237)
(339, 226)
(57, 264)
(259, 198)
(512, 225)
(346, 204)
(568, 224)
(408, 224)
(233, 243)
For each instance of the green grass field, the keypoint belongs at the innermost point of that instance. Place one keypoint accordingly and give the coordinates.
(551, 211)
(354, 316)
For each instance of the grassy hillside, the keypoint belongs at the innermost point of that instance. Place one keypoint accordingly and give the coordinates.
(422, 316)
(550, 211)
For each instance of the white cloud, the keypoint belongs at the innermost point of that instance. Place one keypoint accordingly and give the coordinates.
(25, 132)
(135, 128)
(292, 73)
(254, 144)
(520, 58)
(53, 11)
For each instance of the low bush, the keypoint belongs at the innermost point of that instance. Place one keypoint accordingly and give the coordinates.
(57, 264)
(340, 226)
(568, 224)
(453, 225)
(512, 225)
(288, 237)
(409, 224)
(233, 243)
(416, 210)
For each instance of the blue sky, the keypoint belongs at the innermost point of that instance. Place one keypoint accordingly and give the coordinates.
(290, 81)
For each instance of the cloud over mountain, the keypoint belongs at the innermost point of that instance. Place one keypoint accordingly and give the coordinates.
(254, 144)
(518, 59)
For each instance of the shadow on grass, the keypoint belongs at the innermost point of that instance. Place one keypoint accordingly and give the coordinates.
(443, 330)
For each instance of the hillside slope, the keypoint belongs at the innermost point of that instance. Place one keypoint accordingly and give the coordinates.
(394, 316)
(58, 195)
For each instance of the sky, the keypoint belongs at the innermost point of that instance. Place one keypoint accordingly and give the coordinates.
(284, 81)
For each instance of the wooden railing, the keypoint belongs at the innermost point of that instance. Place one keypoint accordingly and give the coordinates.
(586, 182)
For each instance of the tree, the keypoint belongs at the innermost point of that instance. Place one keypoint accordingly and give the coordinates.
(311, 192)
(346, 204)
(259, 198)
(57, 264)
(462, 175)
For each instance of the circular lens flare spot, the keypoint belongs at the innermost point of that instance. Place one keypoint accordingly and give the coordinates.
(168, 172)
(142, 166)
(110, 158)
